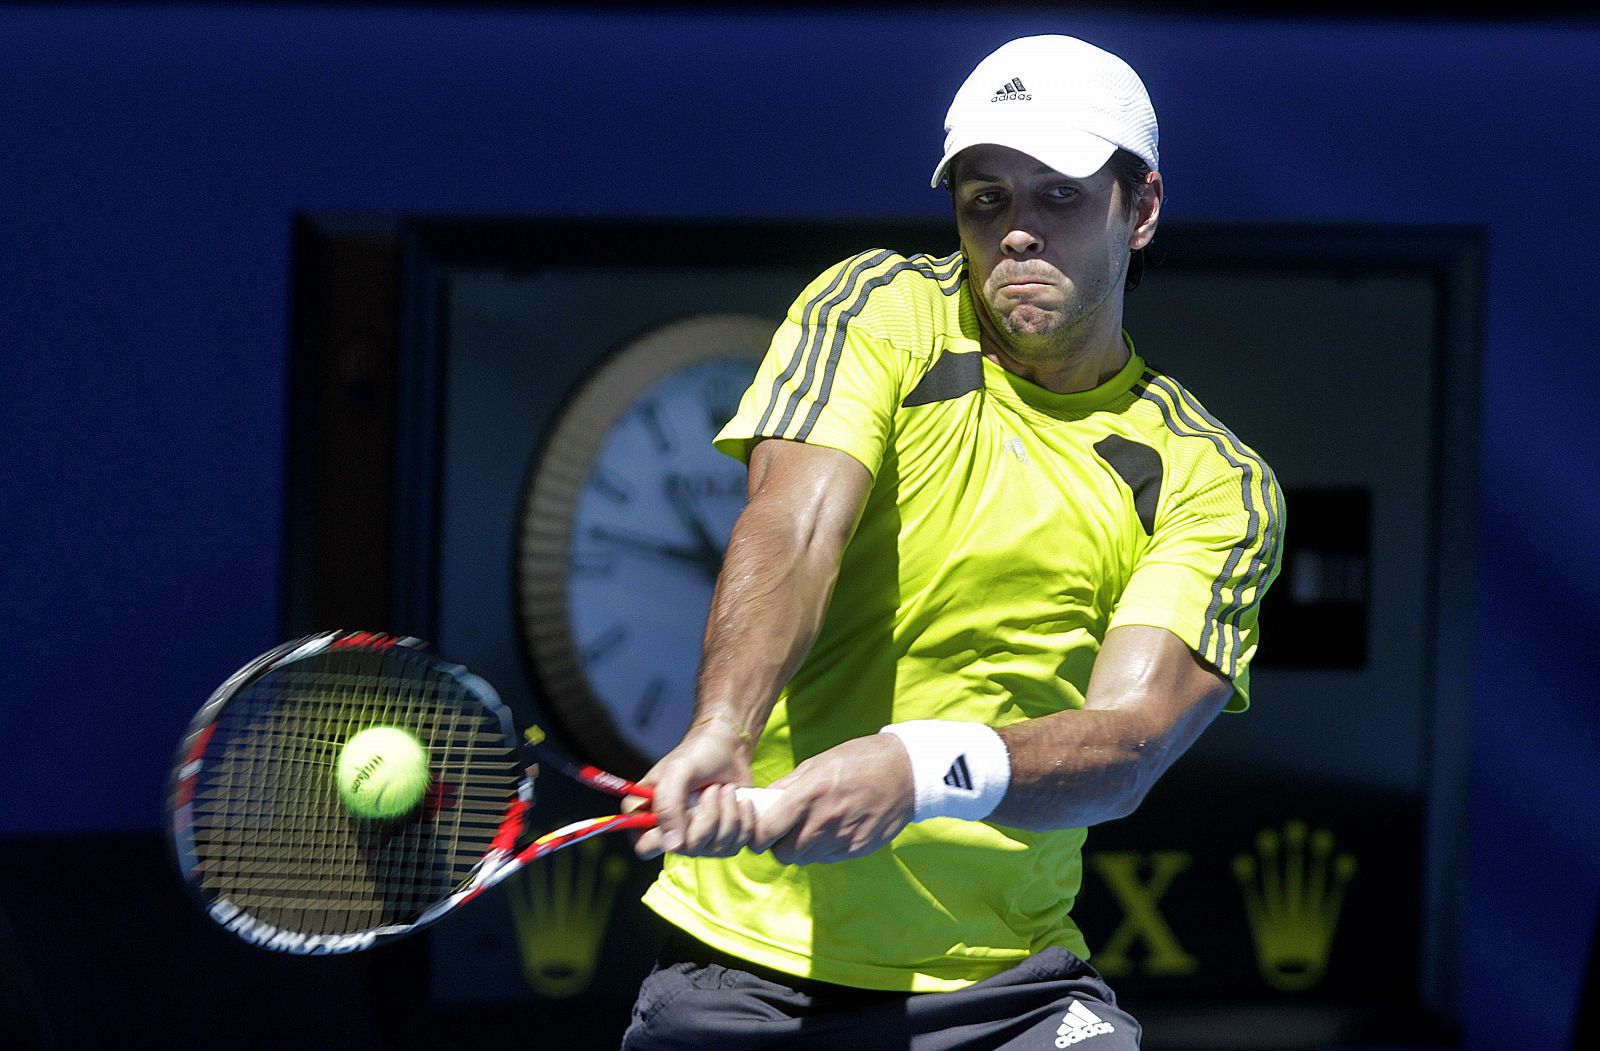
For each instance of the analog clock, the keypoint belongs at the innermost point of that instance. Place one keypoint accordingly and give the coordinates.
(624, 521)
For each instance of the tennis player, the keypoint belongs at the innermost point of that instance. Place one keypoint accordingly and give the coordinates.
(996, 573)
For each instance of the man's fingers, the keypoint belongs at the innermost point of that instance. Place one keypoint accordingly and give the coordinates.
(647, 844)
(808, 846)
(717, 823)
(804, 845)
(701, 823)
(671, 816)
(735, 822)
(784, 852)
(777, 821)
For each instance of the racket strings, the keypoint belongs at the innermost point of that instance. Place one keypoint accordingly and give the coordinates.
(271, 831)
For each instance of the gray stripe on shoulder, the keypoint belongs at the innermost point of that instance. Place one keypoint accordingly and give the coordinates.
(836, 291)
(1266, 550)
(918, 264)
(1180, 423)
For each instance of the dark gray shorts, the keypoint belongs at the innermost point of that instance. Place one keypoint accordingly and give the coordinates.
(697, 1000)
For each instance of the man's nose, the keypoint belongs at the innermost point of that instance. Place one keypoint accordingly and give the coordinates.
(1021, 241)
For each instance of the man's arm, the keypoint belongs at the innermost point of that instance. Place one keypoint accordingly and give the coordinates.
(1149, 698)
(777, 576)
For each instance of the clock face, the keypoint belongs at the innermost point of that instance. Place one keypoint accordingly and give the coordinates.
(647, 541)
(628, 513)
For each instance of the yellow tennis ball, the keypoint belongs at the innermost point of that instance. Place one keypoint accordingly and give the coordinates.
(382, 772)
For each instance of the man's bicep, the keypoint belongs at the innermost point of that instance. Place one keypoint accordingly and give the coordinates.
(1204, 574)
(820, 491)
(1152, 672)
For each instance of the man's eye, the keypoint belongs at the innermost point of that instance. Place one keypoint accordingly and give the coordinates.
(1063, 193)
(987, 197)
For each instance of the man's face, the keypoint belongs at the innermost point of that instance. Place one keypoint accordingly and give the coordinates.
(1046, 252)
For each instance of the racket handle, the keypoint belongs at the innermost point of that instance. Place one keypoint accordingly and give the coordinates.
(760, 798)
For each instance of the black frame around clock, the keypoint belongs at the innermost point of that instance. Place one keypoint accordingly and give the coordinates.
(346, 400)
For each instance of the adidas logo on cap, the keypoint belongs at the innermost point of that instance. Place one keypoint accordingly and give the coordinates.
(1012, 91)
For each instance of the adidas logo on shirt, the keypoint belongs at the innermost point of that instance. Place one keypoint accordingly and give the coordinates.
(1014, 446)
(1079, 1024)
(1011, 91)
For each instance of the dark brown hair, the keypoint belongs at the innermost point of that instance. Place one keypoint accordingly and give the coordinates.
(1129, 172)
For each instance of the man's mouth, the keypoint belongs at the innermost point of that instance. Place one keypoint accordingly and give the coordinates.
(1022, 281)
(1018, 287)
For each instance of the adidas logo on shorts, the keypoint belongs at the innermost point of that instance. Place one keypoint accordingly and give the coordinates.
(1079, 1024)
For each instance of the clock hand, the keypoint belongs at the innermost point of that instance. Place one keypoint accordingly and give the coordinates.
(683, 504)
(650, 545)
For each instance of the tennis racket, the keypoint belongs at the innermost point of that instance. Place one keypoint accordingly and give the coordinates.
(261, 837)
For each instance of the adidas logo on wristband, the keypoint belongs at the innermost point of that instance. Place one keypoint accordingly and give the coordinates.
(959, 770)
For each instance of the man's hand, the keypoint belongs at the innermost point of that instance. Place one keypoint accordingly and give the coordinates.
(843, 803)
(712, 759)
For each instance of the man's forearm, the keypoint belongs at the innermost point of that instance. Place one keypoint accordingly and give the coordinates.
(772, 592)
(1148, 701)
(777, 577)
(1078, 768)
(765, 614)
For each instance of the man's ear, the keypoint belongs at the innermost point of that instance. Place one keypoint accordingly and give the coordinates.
(1146, 212)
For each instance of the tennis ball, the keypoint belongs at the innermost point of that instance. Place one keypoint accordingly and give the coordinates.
(382, 772)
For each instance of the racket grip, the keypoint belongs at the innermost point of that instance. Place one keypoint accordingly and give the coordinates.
(761, 798)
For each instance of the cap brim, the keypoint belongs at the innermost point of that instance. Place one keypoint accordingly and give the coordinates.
(1075, 154)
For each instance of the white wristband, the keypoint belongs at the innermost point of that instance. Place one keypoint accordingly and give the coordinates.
(960, 770)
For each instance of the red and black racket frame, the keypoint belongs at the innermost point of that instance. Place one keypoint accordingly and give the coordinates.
(509, 850)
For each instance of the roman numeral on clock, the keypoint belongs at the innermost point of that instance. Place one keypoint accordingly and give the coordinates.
(611, 486)
(658, 425)
(645, 710)
(605, 645)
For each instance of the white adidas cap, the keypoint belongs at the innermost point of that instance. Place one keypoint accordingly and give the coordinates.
(1064, 102)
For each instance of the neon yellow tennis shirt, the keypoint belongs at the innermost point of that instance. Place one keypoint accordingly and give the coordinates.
(1008, 529)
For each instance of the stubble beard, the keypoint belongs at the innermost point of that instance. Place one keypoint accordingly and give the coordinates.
(1036, 334)
(1039, 335)
(1026, 321)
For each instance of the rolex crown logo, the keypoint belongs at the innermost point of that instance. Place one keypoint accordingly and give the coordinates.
(1293, 886)
(561, 907)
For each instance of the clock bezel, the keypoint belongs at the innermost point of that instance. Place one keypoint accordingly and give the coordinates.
(548, 505)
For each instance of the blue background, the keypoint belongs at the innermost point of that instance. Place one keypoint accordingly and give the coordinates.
(151, 160)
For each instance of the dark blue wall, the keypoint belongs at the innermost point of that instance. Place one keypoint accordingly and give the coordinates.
(150, 162)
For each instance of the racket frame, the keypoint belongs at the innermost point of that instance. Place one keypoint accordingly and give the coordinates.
(489, 870)
(509, 850)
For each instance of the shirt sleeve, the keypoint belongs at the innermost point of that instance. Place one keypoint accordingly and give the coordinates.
(1210, 561)
(826, 380)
